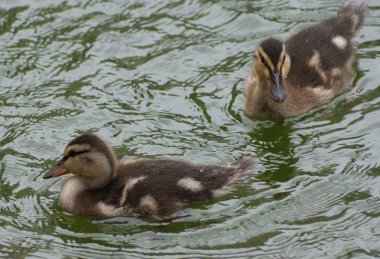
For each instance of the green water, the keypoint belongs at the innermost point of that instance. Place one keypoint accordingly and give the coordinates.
(165, 79)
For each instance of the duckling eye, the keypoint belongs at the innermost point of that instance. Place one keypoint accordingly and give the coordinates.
(262, 60)
(72, 153)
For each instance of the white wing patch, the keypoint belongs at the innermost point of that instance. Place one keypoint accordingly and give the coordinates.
(336, 71)
(109, 210)
(129, 184)
(149, 203)
(189, 183)
(220, 192)
(315, 62)
(339, 42)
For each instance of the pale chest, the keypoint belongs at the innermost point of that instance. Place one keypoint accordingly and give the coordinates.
(71, 189)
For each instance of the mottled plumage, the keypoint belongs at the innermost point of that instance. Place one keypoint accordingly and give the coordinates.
(101, 186)
(308, 69)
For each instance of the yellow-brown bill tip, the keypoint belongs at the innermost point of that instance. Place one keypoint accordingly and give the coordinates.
(56, 171)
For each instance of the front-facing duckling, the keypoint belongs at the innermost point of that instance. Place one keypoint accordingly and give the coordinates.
(102, 186)
(310, 68)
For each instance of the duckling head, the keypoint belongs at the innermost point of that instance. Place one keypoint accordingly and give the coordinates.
(89, 158)
(272, 64)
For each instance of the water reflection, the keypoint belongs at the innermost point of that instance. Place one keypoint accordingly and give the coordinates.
(275, 147)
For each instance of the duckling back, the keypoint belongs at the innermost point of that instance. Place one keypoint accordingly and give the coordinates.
(321, 55)
(161, 186)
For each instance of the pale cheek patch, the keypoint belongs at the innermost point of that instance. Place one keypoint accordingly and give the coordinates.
(251, 79)
(189, 183)
(148, 202)
(339, 42)
(286, 66)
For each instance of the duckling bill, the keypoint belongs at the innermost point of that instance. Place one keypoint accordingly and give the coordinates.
(100, 185)
(308, 69)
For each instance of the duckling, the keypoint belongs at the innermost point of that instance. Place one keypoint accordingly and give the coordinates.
(308, 69)
(102, 186)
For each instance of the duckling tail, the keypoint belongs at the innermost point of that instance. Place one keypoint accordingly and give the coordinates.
(237, 175)
(245, 163)
(355, 14)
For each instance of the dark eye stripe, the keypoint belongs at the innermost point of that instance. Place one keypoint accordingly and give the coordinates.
(263, 60)
(72, 153)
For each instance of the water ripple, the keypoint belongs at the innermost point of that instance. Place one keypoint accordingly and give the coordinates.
(165, 79)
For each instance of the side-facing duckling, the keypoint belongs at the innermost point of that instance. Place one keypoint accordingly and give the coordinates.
(310, 68)
(102, 186)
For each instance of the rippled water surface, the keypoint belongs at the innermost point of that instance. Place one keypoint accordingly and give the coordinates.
(165, 79)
